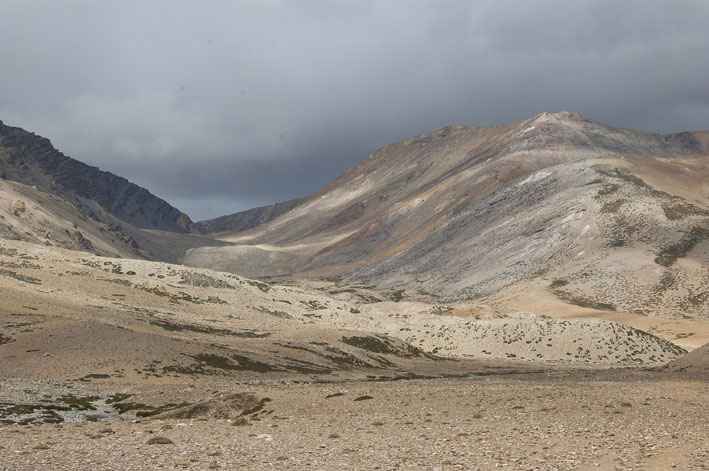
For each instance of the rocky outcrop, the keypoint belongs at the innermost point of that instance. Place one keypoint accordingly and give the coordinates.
(17, 207)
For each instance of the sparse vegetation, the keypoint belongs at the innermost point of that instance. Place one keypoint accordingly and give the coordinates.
(678, 209)
(118, 281)
(203, 281)
(160, 441)
(613, 206)
(583, 301)
(181, 296)
(8, 252)
(558, 283)
(144, 410)
(27, 279)
(177, 327)
(314, 305)
(96, 376)
(47, 412)
(209, 363)
(396, 295)
(275, 313)
(260, 285)
(670, 254)
(382, 345)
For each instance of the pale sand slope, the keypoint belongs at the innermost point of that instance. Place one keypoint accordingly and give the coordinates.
(536, 296)
(186, 303)
(696, 362)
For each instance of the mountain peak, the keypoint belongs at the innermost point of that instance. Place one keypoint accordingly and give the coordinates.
(559, 117)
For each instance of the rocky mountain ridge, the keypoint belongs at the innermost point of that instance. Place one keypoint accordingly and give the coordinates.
(32, 160)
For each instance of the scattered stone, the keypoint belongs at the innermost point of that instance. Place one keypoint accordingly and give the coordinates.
(363, 398)
(160, 441)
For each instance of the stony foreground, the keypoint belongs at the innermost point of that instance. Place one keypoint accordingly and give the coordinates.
(608, 420)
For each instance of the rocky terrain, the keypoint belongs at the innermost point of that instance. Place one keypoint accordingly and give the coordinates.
(124, 363)
(244, 220)
(568, 421)
(32, 160)
(118, 363)
(520, 297)
(226, 311)
(602, 216)
(31, 215)
(53, 199)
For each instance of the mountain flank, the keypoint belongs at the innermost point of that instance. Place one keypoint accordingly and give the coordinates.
(49, 198)
(244, 220)
(605, 217)
(32, 160)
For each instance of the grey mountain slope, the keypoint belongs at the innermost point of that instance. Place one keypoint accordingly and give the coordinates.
(32, 160)
(30, 215)
(598, 237)
(464, 213)
(244, 220)
(411, 165)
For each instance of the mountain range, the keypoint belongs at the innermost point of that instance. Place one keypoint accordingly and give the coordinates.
(556, 212)
(519, 295)
(599, 216)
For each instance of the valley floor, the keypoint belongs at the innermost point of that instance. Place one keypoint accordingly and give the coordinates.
(580, 419)
(126, 364)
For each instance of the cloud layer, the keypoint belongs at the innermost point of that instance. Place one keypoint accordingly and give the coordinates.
(219, 106)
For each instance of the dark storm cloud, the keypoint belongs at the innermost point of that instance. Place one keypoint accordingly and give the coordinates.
(220, 106)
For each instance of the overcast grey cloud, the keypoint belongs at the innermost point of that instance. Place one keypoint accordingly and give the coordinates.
(218, 106)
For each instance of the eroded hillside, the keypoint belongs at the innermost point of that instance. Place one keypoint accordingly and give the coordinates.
(600, 217)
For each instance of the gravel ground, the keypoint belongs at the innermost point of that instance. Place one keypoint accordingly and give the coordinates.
(608, 420)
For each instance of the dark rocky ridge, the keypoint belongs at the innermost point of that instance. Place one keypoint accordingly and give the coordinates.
(32, 160)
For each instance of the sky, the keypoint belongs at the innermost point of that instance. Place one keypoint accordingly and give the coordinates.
(220, 106)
